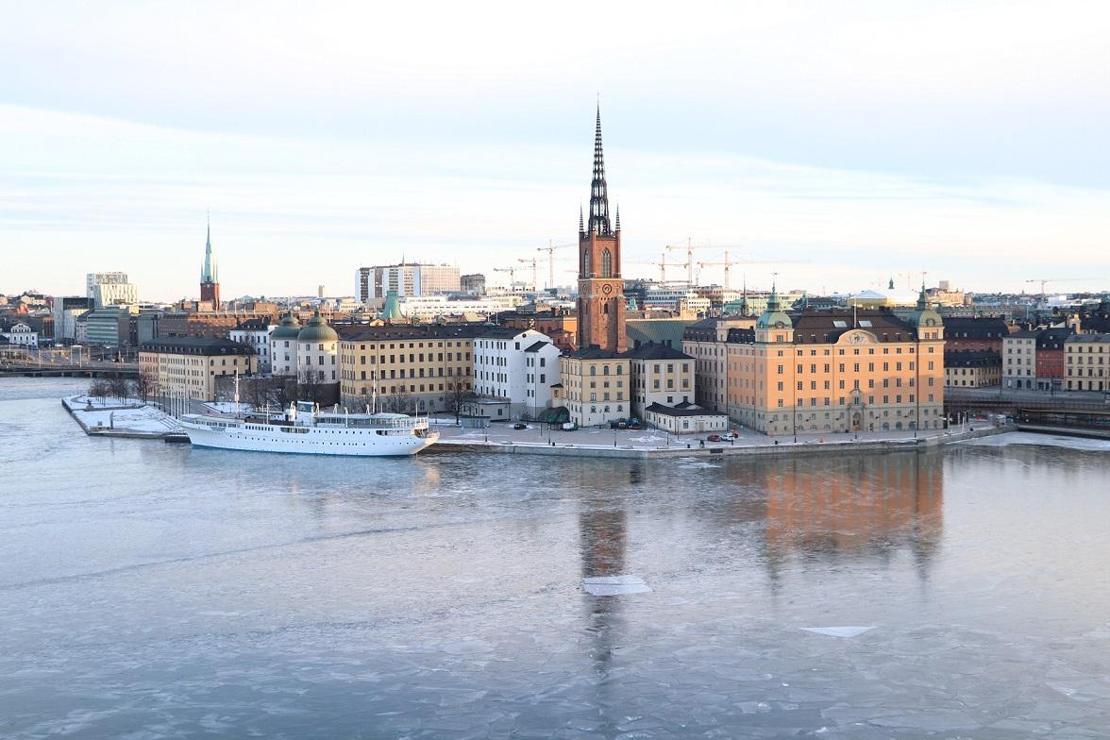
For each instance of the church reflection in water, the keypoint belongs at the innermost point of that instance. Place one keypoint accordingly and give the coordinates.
(798, 510)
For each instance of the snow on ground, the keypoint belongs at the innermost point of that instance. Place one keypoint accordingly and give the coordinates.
(1051, 440)
(132, 417)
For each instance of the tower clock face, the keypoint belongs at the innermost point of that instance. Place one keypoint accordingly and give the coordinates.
(606, 289)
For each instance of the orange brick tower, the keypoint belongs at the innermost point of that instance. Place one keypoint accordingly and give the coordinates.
(601, 303)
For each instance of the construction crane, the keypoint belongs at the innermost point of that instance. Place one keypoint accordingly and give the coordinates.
(689, 249)
(511, 269)
(726, 262)
(535, 276)
(661, 264)
(1042, 281)
(550, 249)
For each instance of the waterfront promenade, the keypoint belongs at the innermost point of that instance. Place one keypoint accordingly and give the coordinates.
(654, 443)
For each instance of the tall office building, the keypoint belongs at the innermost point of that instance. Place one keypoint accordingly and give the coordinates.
(107, 289)
(405, 279)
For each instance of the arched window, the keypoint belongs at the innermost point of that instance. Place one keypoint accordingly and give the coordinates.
(585, 271)
(606, 264)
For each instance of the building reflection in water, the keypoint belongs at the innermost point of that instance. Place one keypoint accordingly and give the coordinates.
(603, 534)
(853, 507)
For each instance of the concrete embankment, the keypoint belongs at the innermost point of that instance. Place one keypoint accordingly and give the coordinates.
(715, 450)
(1064, 431)
(91, 420)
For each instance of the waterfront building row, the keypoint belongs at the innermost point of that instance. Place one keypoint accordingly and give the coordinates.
(826, 371)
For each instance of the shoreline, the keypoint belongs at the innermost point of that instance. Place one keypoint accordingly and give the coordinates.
(449, 446)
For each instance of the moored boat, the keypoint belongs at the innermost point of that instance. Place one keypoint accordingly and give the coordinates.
(304, 429)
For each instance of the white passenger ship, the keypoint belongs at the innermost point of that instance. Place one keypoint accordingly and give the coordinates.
(304, 429)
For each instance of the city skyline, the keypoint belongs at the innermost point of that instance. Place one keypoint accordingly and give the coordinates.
(872, 141)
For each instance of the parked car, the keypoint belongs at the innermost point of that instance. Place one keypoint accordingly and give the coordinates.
(633, 423)
(518, 425)
(569, 426)
(714, 438)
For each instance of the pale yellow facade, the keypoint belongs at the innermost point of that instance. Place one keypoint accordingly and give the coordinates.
(667, 381)
(189, 372)
(405, 370)
(596, 387)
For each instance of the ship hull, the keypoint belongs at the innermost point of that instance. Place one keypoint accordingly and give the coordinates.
(340, 442)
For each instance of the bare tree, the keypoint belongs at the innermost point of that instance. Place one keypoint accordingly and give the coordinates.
(143, 386)
(458, 394)
(308, 385)
(99, 389)
(119, 386)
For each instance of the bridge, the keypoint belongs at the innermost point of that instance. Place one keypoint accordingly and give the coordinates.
(1058, 412)
(86, 369)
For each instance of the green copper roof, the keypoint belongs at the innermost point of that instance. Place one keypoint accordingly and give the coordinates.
(317, 330)
(288, 329)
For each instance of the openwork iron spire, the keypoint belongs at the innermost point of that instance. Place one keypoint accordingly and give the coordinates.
(210, 272)
(599, 195)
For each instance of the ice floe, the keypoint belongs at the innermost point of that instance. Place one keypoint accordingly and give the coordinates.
(839, 631)
(614, 585)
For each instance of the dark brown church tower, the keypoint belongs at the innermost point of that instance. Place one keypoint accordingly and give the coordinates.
(601, 301)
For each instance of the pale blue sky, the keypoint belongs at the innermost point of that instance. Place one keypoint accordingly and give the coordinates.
(836, 143)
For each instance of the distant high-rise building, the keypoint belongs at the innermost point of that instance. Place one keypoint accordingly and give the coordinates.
(210, 274)
(601, 302)
(107, 289)
(474, 283)
(406, 279)
(65, 311)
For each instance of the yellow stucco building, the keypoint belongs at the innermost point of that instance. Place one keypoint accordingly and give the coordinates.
(187, 367)
(838, 371)
(419, 367)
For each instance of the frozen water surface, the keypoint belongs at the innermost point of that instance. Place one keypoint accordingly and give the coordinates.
(152, 590)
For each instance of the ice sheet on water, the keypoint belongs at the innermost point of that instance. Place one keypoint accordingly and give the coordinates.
(1029, 438)
(614, 585)
(846, 631)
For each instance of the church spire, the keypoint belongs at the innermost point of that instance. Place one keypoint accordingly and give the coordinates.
(210, 272)
(599, 195)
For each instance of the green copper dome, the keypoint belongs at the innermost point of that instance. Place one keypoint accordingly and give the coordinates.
(925, 315)
(774, 317)
(317, 330)
(289, 328)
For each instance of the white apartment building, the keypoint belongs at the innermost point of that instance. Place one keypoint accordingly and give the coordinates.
(107, 289)
(405, 279)
(317, 352)
(518, 366)
(1019, 360)
(255, 333)
(424, 308)
(21, 335)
